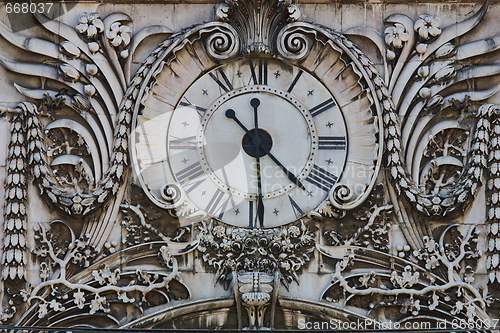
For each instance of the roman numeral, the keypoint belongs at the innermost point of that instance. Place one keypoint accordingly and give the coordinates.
(191, 172)
(321, 178)
(214, 204)
(294, 82)
(296, 208)
(331, 143)
(184, 143)
(320, 108)
(193, 186)
(226, 87)
(262, 77)
(250, 214)
(201, 111)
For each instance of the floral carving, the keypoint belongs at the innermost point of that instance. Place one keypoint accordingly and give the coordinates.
(90, 25)
(374, 232)
(396, 36)
(99, 291)
(428, 26)
(410, 286)
(119, 34)
(227, 249)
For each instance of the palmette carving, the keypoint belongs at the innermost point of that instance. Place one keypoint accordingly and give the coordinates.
(257, 21)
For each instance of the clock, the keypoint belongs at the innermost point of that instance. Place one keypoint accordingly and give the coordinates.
(257, 142)
(254, 141)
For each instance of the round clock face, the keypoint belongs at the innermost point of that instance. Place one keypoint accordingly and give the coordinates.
(256, 143)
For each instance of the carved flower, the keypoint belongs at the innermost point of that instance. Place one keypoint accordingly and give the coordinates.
(396, 35)
(99, 303)
(79, 299)
(56, 305)
(238, 234)
(275, 247)
(219, 231)
(432, 262)
(287, 244)
(285, 264)
(428, 26)
(266, 265)
(275, 234)
(226, 244)
(237, 246)
(90, 24)
(42, 310)
(119, 34)
(44, 271)
(294, 231)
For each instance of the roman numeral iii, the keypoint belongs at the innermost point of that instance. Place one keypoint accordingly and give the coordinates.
(331, 143)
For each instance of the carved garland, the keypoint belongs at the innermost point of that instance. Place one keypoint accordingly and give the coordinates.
(493, 200)
(463, 191)
(15, 225)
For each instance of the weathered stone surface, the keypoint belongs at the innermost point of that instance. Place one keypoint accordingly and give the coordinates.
(248, 164)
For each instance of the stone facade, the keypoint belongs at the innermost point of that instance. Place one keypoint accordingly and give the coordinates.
(250, 164)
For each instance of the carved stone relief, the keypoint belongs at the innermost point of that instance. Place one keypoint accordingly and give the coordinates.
(157, 223)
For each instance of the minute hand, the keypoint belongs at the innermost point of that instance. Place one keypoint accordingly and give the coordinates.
(290, 175)
(231, 114)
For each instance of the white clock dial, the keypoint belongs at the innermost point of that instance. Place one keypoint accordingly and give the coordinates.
(257, 143)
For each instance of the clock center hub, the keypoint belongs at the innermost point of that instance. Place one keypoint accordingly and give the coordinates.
(257, 145)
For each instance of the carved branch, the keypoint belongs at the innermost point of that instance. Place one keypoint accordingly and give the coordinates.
(368, 225)
(137, 211)
(337, 276)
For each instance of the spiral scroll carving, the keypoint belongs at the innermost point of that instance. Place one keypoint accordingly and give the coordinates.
(339, 195)
(292, 43)
(223, 43)
(173, 194)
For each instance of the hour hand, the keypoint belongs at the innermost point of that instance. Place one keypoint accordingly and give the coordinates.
(232, 115)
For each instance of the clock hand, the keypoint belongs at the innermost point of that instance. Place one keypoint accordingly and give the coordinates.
(232, 115)
(256, 141)
(290, 175)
